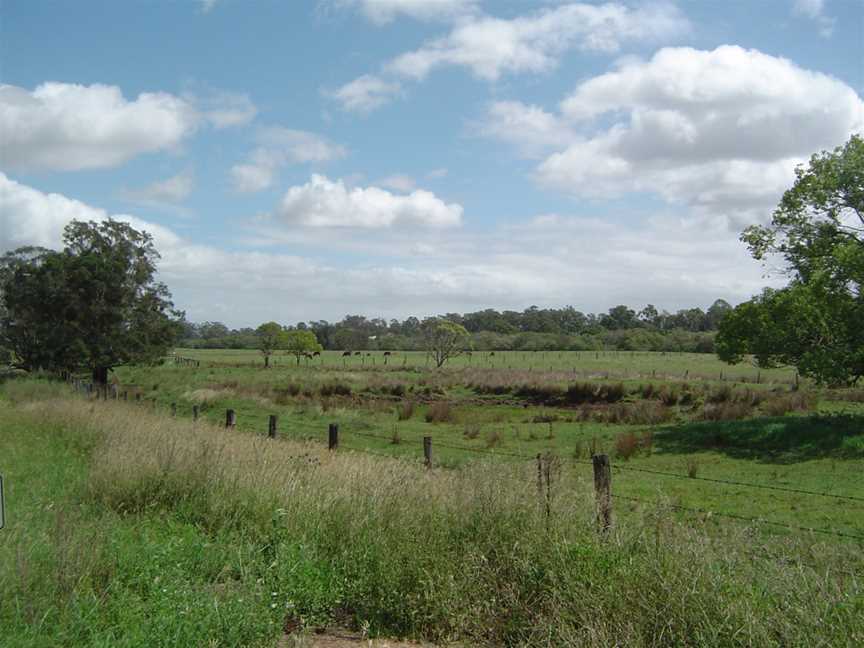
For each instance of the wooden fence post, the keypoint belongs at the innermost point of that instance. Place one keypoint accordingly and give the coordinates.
(271, 427)
(173, 409)
(603, 490)
(427, 451)
(138, 397)
(194, 412)
(333, 436)
(230, 418)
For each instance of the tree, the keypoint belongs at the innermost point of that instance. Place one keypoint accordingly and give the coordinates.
(815, 323)
(444, 339)
(94, 305)
(301, 342)
(271, 336)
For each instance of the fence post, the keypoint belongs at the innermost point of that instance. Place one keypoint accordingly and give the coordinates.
(125, 395)
(138, 397)
(333, 436)
(271, 427)
(173, 409)
(540, 476)
(194, 412)
(427, 451)
(603, 490)
(230, 418)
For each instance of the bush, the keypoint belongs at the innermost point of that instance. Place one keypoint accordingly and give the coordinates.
(440, 412)
(405, 410)
(626, 445)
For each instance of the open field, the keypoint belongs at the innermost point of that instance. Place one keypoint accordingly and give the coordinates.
(800, 440)
(128, 528)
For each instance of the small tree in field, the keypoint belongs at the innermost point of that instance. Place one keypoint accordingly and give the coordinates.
(301, 342)
(271, 336)
(444, 339)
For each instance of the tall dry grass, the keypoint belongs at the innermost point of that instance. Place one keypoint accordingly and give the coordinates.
(468, 554)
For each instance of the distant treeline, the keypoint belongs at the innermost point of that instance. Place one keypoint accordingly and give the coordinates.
(534, 329)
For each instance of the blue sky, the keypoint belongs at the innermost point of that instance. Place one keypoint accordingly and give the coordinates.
(305, 160)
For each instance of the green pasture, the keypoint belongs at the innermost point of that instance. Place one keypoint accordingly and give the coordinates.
(821, 451)
(621, 365)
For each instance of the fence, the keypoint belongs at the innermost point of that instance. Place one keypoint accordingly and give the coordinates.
(546, 466)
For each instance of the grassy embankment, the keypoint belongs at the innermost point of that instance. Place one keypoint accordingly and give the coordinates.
(128, 528)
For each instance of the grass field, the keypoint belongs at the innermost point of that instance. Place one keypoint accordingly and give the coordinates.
(388, 410)
(128, 528)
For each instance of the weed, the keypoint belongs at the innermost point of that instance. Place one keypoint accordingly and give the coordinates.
(405, 410)
(440, 412)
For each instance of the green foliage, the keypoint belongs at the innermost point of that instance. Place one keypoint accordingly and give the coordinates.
(92, 306)
(815, 323)
(271, 336)
(300, 343)
(444, 339)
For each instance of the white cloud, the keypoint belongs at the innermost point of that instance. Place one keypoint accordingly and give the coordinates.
(549, 261)
(530, 128)
(31, 217)
(399, 182)
(322, 202)
(382, 12)
(491, 47)
(61, 126)
(171, 190)
(719, 130)
(225, 109)
(815, 10)
(366, 93)
(207, 5)
(277, 147)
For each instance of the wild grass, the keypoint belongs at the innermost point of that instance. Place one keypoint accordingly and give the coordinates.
(175, 516)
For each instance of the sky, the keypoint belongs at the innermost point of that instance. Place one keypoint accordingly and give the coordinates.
(303, 160)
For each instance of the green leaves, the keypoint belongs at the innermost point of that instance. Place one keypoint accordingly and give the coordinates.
(817, 322)
(92, 306)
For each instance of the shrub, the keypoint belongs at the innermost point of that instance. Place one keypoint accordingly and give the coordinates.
(692, 467)
(726, 411)
(795, 402)
(719, 395)
(440, 412)
(335, 389)
(493, 439)
(626, 445)
(405, 410)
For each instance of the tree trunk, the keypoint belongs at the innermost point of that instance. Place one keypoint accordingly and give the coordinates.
(266, 361)
(100, 375)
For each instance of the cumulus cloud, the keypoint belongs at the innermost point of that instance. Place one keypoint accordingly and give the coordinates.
(31, 217)
(277, 147)
(491, 47)
(62, 126)
(171, 190)
(322, 202)
(69, 127)
(720, 131)
(366, 93)
(532, 130)
(382, 12)
(550, 260)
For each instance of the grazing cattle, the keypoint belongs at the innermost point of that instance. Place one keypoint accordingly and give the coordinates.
(356, 353)
(346, 353)
(317, 353)
(492, 353)
(386, 353)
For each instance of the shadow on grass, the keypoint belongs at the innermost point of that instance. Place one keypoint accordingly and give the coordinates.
(782, 440)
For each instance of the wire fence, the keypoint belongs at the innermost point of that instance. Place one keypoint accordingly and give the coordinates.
(543, 461)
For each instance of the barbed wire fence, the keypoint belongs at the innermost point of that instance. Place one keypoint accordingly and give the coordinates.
(547, 464)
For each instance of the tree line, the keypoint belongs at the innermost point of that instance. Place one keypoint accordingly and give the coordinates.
(533, 329)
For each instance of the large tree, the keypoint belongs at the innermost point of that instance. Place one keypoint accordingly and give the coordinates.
(444, 339)
(94, 305)
(271, 336)
(816, 323)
